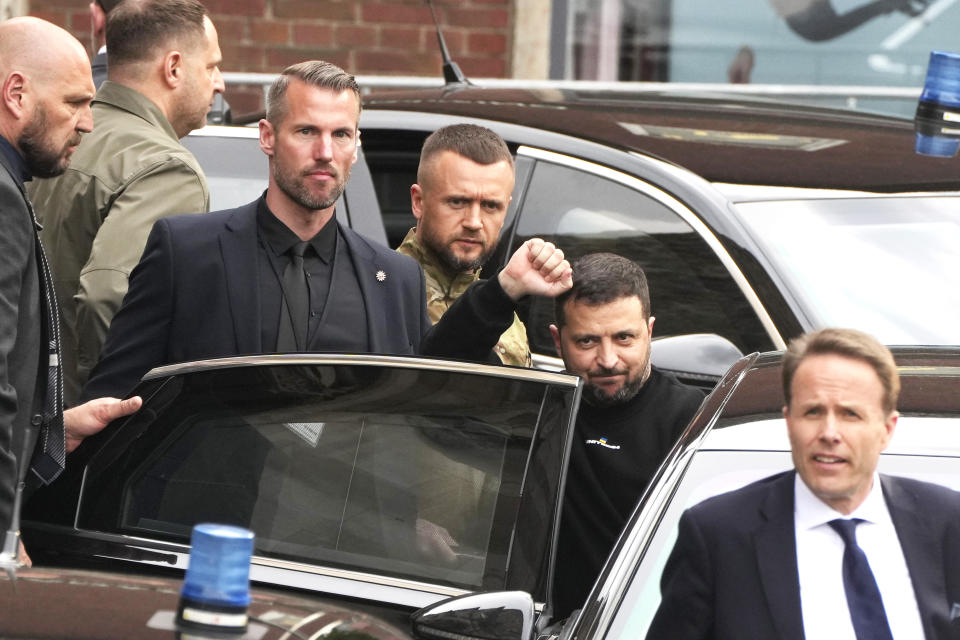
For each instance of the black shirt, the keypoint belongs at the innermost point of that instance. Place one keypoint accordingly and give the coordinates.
(614, 454)
(275, 240)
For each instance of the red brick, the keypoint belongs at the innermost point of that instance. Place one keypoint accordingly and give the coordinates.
(242, 57)
(313, 35)
(377, 62)
(501, 3)
(356, 36)
(332, 10)
(483, 67)
(279, 59)
(58, 18)
(487, 43)
(499, 18)
(58, 4)
(387, 13)
(456, 40)
(245, 100)
(406, 38)
(80, 24)
(235, 8)
(270, 32)
(231, 30)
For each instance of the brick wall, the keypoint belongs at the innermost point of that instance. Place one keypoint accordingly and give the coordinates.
(375, 37)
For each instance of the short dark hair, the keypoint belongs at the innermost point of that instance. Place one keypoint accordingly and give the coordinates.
(600, 278)
(138, 29)
(316, 73)
(471, 141)
(849, 343)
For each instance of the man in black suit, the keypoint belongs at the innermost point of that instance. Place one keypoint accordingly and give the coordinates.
(832, 549)
(281, 275)
(45, 95)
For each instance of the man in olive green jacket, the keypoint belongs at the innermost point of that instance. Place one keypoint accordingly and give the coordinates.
(464, 185)
(131, 170)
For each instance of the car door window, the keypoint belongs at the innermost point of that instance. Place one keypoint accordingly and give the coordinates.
(399, 471)
(691, 291)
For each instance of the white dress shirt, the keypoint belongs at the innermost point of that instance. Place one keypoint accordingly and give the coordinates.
(820, 566)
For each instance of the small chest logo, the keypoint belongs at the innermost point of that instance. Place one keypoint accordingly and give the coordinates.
(603, 443)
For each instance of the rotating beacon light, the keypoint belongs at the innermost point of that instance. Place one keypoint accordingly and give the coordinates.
(216, 589)
(937, 123)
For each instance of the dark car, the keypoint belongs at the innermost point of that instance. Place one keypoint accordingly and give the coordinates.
(755, 220)
(385, 483)
(391, 484)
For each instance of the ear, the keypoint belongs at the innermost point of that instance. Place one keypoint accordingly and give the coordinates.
(650, 326)
(14, 96)
(172, 70)
(267, 134)
(416, 200)
(555, 332)
(890, 424)
(356, 148)
(98, 19)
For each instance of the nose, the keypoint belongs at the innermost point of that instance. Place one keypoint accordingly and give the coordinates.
(219, 86)
(323, 148)
(85, 121)
(828, 428)
(607, 356)
(471, 217)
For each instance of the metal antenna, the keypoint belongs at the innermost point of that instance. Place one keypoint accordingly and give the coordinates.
(451, 70)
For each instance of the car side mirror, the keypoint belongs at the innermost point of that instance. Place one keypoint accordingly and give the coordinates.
(704, 354)
(501, 615)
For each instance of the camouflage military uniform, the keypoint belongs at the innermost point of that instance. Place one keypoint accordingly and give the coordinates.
(512, 348)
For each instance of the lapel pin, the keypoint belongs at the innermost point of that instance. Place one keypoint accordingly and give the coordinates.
(381, 275)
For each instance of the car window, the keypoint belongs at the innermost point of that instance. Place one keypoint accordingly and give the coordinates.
(397, 471)
(691, 291)
(235, 168)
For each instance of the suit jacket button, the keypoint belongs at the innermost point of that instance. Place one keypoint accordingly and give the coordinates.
(36, 420)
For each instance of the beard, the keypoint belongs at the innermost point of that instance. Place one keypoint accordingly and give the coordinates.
(42, 159)
(450, 260)
(599, 398)
(294, 186)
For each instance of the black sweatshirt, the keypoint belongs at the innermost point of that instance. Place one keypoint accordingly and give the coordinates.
(614, 455)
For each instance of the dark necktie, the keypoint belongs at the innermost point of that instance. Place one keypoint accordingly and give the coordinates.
(294, 316)
(49, 461)
(863, 596)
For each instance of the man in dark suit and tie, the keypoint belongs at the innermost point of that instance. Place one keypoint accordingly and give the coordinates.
(45, 96)
(832, 549)
(282, 275)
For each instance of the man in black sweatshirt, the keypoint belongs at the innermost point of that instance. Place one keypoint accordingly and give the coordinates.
(630, 417)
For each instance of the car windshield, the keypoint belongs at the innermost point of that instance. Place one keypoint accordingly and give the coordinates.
(888, 266)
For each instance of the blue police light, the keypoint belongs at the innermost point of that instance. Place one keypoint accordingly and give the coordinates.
(216, 589)
(937, 122)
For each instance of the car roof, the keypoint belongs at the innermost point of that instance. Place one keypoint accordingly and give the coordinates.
(929, 404)
(723, 138)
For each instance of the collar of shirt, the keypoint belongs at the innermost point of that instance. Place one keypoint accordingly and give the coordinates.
(279, 238)
(17, 163)
(810, 511)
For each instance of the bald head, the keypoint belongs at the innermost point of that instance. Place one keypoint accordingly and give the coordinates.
(45, 92)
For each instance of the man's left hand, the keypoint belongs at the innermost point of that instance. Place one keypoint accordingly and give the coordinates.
(90, 417)
(536, 268)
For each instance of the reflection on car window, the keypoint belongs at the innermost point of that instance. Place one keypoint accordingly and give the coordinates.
(690, 290)
(406, 472)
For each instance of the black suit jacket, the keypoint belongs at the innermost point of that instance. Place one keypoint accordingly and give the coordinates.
(733, 570)
(194, 295)
(21, 340)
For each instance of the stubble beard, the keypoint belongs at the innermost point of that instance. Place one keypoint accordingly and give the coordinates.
(295, 189)
(43, 161)
(599, 398)
(451, 261)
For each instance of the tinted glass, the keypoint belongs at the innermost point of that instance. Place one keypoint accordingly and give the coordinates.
(888, 266)
(690, 290)
(398, 471)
